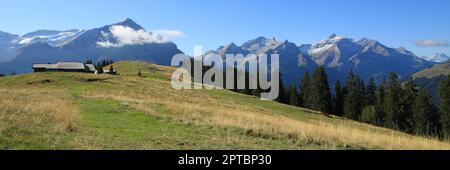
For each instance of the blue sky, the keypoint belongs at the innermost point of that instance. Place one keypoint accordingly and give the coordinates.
(212, 23)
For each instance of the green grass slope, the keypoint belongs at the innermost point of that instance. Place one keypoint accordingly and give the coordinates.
(87, 111)
(442, 69)
(430, 78)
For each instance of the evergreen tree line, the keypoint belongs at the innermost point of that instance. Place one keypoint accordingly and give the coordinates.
(99, 66)
(392, 105)
(246, 90)
(4, 75)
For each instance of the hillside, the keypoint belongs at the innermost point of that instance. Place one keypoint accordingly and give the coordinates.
(430, 78)
(435, 71)
(87, 111)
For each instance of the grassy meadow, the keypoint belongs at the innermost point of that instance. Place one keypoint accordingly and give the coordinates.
(127, 111)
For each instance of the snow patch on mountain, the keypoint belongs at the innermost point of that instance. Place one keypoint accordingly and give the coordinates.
(438, 57)
(53, 38)
(321, 49)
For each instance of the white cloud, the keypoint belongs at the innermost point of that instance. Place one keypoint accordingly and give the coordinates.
(169, 34)
(431, 43)
(128, 36)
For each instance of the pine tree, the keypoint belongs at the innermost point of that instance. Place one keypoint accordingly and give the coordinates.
(111, 69)
(371, 90)
(100, 70)
(293, 96)
(338, 99)
(139, 73)
(104, 63)
(362, 91)
(282, 98)
(407, 101)
(320, 91)
(369, 115)
(379, 104)
(424, 114)
(392, 104)
(444, 109)
(353, 97)
(304, 90)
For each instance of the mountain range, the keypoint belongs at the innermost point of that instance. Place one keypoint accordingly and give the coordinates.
(367, 58)
(125, 40)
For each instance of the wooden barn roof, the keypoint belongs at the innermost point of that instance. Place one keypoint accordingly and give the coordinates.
(63, 65)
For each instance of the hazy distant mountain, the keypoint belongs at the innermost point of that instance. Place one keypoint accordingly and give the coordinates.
(6, 38)
(438, 57)
(51, 37)
(10, 43)
(125, 40)
(7, 48)
(367, 58)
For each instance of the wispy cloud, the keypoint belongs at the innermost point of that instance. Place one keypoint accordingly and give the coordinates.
(169, 34)
(122, 35)
(431, 43)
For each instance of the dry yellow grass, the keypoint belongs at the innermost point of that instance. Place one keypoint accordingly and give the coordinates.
(196, 107)
(43, 111)
(47, 112)
(39, 103)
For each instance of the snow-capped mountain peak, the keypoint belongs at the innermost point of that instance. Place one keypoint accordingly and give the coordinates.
(329, 42)
(328, 47)
(344, 53)
(438, 57)
(335, 37)
(53, 38)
